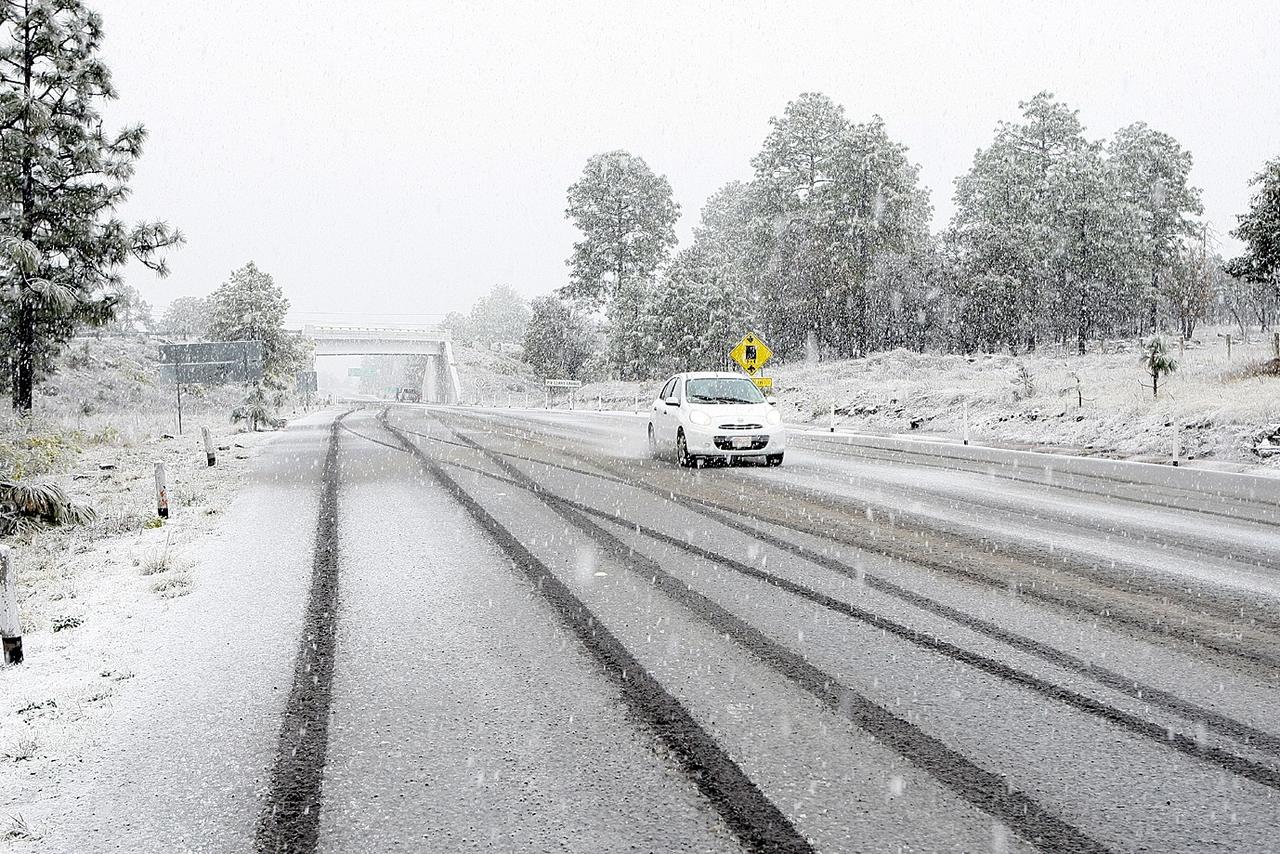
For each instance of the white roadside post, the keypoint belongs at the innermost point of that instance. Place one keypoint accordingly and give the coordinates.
(965, 409)
(1275, 344)
(162, 493)
(833, 415)
(1177, 444)
(209, 455)
(599, 402)
(10, 628)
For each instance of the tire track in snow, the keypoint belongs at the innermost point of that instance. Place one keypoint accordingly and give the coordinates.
(290, 818)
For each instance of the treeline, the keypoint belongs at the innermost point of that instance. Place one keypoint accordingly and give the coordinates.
(1056, 238)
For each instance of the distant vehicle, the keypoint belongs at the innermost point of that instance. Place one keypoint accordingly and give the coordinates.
(409, 395)
(703, 416)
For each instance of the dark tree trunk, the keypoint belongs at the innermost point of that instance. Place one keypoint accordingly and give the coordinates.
(24, 361)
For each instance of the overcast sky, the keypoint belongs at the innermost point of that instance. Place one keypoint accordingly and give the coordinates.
(387, 159)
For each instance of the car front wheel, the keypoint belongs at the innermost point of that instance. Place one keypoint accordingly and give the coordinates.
(682, 451)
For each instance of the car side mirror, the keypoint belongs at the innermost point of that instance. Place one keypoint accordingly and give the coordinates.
(770, 399)
(672, 401)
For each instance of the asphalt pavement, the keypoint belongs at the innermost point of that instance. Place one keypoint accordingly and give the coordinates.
(465, 630)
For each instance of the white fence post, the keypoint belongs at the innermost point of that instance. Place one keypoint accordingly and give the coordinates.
(208, 447)
(162, 493)
(10, 628)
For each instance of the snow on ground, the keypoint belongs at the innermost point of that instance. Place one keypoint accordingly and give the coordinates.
(1217, 412)
(100, 426)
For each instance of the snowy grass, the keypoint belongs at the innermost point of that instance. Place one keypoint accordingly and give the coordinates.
(24, 748)
(20, 830)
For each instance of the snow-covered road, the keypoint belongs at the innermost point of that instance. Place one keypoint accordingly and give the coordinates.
(541, 640)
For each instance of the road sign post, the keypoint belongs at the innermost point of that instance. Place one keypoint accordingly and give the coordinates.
(210, 363)
(569, 385)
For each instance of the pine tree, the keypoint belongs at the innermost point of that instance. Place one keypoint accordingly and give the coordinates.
(627, 218)
(186, 317)
(835, 194)
(62, 176)
(1259, 230)
(557, 343)
(1153, 172)
(250, 306)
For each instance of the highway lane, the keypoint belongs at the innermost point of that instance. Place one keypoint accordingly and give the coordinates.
(465, 717)
(1133, 738)
(520, 634)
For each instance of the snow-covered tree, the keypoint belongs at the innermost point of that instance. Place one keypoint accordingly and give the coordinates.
(499, 318)
(834, 195)
(627, 218)
(1007, 227)
(250, 306)
(1153, 172)
(1259, 230)
(130, 312)
(186, 317)
(557, 343)
(1157, 362)
(62, 176)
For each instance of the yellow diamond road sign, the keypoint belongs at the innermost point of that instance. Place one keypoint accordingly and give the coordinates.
(751, 353)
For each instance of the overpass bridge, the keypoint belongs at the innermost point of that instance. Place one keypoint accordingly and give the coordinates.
(440, 378)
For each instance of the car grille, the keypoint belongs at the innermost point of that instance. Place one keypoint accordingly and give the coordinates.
(740, 426)
(725, 443)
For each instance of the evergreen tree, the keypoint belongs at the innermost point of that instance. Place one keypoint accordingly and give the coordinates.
(1259, 230)
(250, 306)
(1008, 223)
(557, 344)
(186, 317)
(1153, 173)
(627, 218)
(499, 318)
(835, 195)
(62, 176)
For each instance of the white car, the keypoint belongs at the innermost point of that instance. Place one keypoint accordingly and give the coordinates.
(723, 416)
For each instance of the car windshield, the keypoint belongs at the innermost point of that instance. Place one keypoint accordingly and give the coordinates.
(723, 390)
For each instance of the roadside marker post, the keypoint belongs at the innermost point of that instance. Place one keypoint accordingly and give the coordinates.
(965, 410)
(1275, 344)
(10, 627)
(209, 455)
(833, 415)
(162, 493)
(1177, 445)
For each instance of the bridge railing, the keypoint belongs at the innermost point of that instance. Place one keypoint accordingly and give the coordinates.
(376, 333)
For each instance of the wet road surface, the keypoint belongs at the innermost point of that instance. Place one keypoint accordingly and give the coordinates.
(505, 631)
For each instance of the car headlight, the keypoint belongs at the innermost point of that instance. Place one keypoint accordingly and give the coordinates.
(774, 418)
(697, 416)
